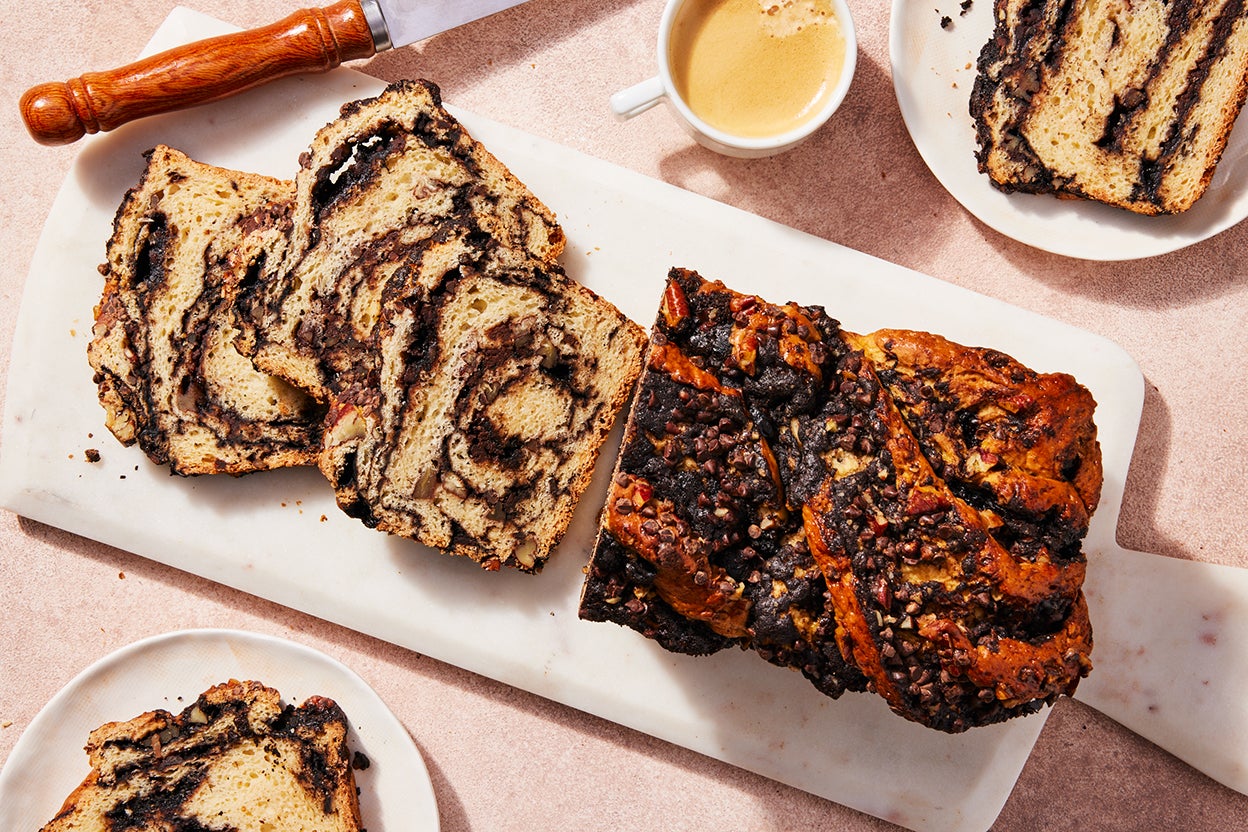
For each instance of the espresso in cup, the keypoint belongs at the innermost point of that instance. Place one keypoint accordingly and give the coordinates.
(749, 78)
(756, 68)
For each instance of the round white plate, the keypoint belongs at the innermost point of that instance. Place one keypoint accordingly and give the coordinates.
(170, 671)
(933, 72)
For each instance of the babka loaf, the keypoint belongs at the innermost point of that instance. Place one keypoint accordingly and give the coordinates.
(499, 379)
(1126, 102)
(390, 172)
(891, 512)
(162, 349)
(236, 759)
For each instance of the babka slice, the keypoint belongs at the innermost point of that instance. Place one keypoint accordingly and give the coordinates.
(1127, 102)
(700, 547)
(390, 172)
(497, 381)
(168, 374)
(236, 759)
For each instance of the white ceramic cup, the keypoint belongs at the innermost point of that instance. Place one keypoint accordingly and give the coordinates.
(641, 97)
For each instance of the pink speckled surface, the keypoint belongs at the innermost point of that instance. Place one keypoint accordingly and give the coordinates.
(501, 759)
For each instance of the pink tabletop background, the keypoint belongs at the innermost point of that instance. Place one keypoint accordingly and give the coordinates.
(503, 759)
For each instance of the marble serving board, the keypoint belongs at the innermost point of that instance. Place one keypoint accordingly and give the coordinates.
(279, 535)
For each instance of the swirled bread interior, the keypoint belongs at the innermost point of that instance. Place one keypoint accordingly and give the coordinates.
(236, 759)
(1127, 102)
(162, 347)
(390, 173)
(498, 381)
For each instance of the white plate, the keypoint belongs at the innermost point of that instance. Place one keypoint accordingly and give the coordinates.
(933, 72)
(280, 536)
(169, 672)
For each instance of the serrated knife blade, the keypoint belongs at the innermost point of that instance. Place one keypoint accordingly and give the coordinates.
(396, 23)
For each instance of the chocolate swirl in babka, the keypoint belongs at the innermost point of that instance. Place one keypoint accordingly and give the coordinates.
(168, 373)
(498, 380)
(1126, 103)
(390, 173)
(237, 758)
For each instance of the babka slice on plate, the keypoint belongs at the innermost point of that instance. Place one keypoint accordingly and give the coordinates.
(1126, 102)
(236, 759)
(162, 348)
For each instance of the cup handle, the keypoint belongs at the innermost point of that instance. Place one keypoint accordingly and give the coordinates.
(638, 98)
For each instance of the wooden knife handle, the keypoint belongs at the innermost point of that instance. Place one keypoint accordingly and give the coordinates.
(309, 40)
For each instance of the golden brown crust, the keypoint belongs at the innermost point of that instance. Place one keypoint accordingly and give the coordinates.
(684, 576)
(699, 548)
(952, 629)
(989, 422)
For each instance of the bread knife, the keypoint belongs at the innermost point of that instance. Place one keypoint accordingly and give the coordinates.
(308, 40)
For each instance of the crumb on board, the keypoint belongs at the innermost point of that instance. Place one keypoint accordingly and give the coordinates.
(946, 21)
(92, 454)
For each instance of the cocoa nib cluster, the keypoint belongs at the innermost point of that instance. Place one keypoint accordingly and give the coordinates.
(892, 513)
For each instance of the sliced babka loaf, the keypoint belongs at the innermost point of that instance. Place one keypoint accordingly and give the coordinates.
(236, 759)
(1127, 102)
(498, 379)
(168, 374)
(891, 512)
(387, 174)
(700, 547)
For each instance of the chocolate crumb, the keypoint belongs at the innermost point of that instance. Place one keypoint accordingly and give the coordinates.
(92, 454)
(359, 762)
(946, 21)
(966, 7)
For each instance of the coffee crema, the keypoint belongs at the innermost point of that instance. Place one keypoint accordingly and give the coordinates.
(756, 68)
